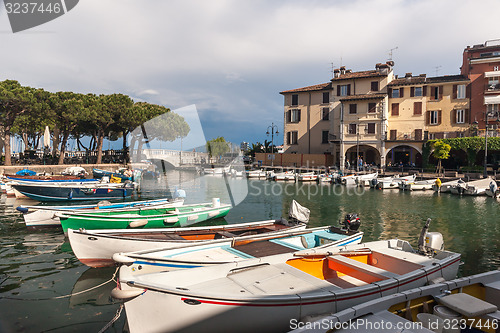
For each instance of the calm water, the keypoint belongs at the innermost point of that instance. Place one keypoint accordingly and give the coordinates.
(37, 267)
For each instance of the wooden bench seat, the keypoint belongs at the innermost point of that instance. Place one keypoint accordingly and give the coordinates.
(358, 270)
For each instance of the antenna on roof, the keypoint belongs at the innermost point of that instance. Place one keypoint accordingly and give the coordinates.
(390, 52)
(437, 69)
(331, 70)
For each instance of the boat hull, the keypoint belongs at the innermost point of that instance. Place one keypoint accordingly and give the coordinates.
(70, 193)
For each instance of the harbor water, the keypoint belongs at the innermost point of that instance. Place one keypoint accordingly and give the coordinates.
(44, 288)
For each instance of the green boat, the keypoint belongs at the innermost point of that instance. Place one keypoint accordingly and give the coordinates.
(182, 216)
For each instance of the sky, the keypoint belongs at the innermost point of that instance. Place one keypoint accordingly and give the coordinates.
(230, 59)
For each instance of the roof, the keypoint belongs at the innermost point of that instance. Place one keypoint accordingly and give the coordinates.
(316, 87)
(415, 80)
(359, 75)
(364, 96)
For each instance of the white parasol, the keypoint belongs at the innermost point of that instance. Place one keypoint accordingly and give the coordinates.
(46, 137)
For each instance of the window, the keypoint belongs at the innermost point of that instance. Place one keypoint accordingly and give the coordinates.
(324, 136)
(436, 92)
(495, 68)
(353, 128)
(395, 93)
(492, 109)
(393, 134)
(417, 108)
(460, 117)
(325, 114)
(292, 137)
(370, 129)
(295, 99)
(353, 108)
(418, 91)
(326, 97)
(374, 86)
(372, 107)
(418, 134)
(395, 109)
(344, 90)
(433, 117)
(461, 91)
(493, 83)
(293, 116)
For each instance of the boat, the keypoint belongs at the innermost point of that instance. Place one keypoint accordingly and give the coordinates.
(95, 248)
(45, 216)
(217, 171)
(420, 185)
(236, 249)
(284, 176)
(394, 182)
(374, 182)
(348, 179)
(266, 294)
(256, 174)
(366, 179)
(99, 173)
(470, 302)
(475, 187)
(325, 178)
(307, 177)
(445, 187)
(72, 191)
(493, 190)
(182, 216)
(44, 178)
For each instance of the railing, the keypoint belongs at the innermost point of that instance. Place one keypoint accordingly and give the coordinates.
(492, 87)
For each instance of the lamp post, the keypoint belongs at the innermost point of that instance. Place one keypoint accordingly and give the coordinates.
(358, 127)
(486, 115)
(272, 127)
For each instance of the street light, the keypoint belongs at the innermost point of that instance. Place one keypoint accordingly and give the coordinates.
(486, 115)
(272, 127)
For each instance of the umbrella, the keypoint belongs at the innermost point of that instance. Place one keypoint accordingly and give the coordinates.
(46, 137)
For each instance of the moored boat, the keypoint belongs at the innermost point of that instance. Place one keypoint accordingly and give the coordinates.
(475, 187)
(99, 173)
(265, 294)
(445, 187)
(388, 183)
(284, 176)
(420, 185)
(366, 179)
(182, 216)
(256, 174)
(307, 177)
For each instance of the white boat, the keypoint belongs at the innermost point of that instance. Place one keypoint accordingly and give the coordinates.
(216, 171)
(234, 250)
(445, 187)
(470, 302)
(420, 185)
(325, 178)
(387, 183)
(256, 174)
(366, 179)
(266, 294)
(493, 190)
(475, 187)
(307, 177)
(284, 176)
(95, 248)
(46, 216)
(348, 179)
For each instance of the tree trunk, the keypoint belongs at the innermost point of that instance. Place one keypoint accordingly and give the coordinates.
(126, 151)
(63, 148)
(56, 141)
(100, 139)
(8, 160)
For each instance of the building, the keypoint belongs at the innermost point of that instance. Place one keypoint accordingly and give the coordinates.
(481, 64)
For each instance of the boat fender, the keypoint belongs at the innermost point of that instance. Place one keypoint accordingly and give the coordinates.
(123, 259)
(21, 209)
(126, 294)
(138, 223)
(70, 195)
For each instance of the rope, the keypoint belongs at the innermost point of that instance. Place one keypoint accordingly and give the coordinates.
(115, 318)
(113, 279)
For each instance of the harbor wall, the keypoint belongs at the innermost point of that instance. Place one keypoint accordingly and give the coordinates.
(295, 160)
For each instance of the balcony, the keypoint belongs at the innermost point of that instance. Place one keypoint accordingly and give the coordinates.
(493, 87)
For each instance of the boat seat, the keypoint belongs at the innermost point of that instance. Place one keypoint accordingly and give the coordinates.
(226, 234)
(358, 270)
(493, 293)
(467, 305)
(173, 237)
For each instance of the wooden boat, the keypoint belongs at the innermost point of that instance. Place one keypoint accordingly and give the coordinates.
(470, 302)
(420, 185)
(42, 178)
(71, 191)
(307, 177)
(99, 173)
(45, 216)
(475, 187)
(95, 248)
(236, 249)
(445, 187)
(266, 294)
(284, 176)
(182, 216)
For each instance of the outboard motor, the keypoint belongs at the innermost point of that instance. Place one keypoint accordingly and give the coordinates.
(374, 182)
(352, 222)
(428, 242)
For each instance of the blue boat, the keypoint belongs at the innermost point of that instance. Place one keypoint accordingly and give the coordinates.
(99, 173)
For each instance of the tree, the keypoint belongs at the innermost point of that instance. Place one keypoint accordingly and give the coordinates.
(14, 101)
(256, 148)
(217, 147)
(441, 152)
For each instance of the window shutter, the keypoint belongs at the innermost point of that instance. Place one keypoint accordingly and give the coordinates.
(348, 90)
(389, 92)
(418, 134)
(395, 109)
(287, 138)
(424, 90)
(412, 91)
(439, 117)
(466, 116)
(440, 92)
(455, 91)
(453, 114)
(353, 108)
(289, 116)
(298, 118)
(338, 90)
(401, 92)
(417, 108)
(394, 134)
(427, 117)
(467, 91)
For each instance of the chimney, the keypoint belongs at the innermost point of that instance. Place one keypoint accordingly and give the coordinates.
(336, 73)
(348, 71)
(423, 75)
(342, 70)
(408, 75)
(390, 63)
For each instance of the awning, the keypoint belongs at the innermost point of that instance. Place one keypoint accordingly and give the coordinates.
(492, 74)
(492, 99)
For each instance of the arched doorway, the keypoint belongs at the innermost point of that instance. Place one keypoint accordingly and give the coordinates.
(404, 156)
(368, 154)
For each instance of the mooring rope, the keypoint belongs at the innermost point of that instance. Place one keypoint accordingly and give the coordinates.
(113, 279)
(115, 318)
